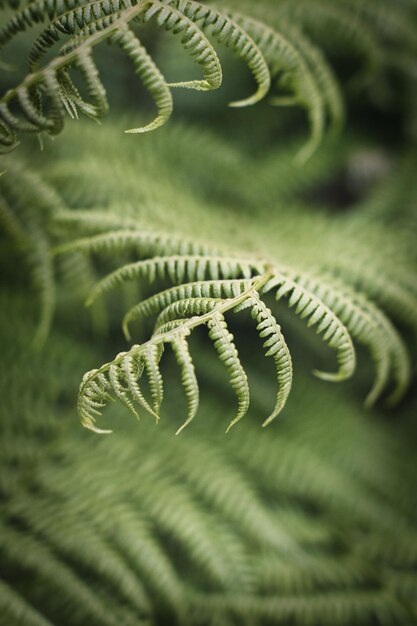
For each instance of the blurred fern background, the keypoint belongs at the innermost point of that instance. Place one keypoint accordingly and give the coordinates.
(284, 229)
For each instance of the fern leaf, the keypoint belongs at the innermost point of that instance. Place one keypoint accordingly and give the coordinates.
(170, 322)
(99, 386)
(176, 267)
(94, 86)
(33, 201)
(133, 367)
(316, 313)
(14, 123)
(32, 113)
(88, 407)
(79, 22)
(189, 306)
(360, 324)
(228, 32)
(90, 26)
(145, 243)
(151, 77)
(322, 73)
(35, 557)
(120, 391)
(392, 296)
(269, 329)
(87, 17)
(388, 336)
(400, 359)
(343, 22)
(282, 56)
(335, 314)
(205, 289)
(151, 357)
(193, 41)
(43, 276)
(188, 377)
(228, 354)
(87, 547)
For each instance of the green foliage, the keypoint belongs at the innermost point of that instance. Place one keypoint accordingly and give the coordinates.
(25, 210)
(200, 528)
(237, 258)
(96, 22)
(191, 282)
(284, 55)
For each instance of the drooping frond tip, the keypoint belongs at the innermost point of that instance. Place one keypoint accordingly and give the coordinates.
(39, 103)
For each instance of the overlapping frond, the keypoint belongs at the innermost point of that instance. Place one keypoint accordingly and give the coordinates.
(274, 42)
(49, 91)
(205, 288)
(200, 527)
(286, 61)
(309, 523)
(183, 283)
(27, 204)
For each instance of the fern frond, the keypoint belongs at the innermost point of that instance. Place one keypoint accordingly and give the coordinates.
(151, 78)
(177, 268)
(395, 298)
(357, 315)
(208, 311)
(34, 557)
(326, 81)
(188, 376)
(284, 58)
(316, 313)
(170, 327)
(132, 370)
(87, 547)
(329, 607)
(341, 23)
(115, 380)
(151, 356)
(389, 337)
(26, 205)
(89, 26)
(194, 41)
(228, 32)
(36, 11)
(144, 243)
(228, 354)
(206, 286)
(219, 289)
(47, 92)
(270, 330)
(201, 527)
(186, 281)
